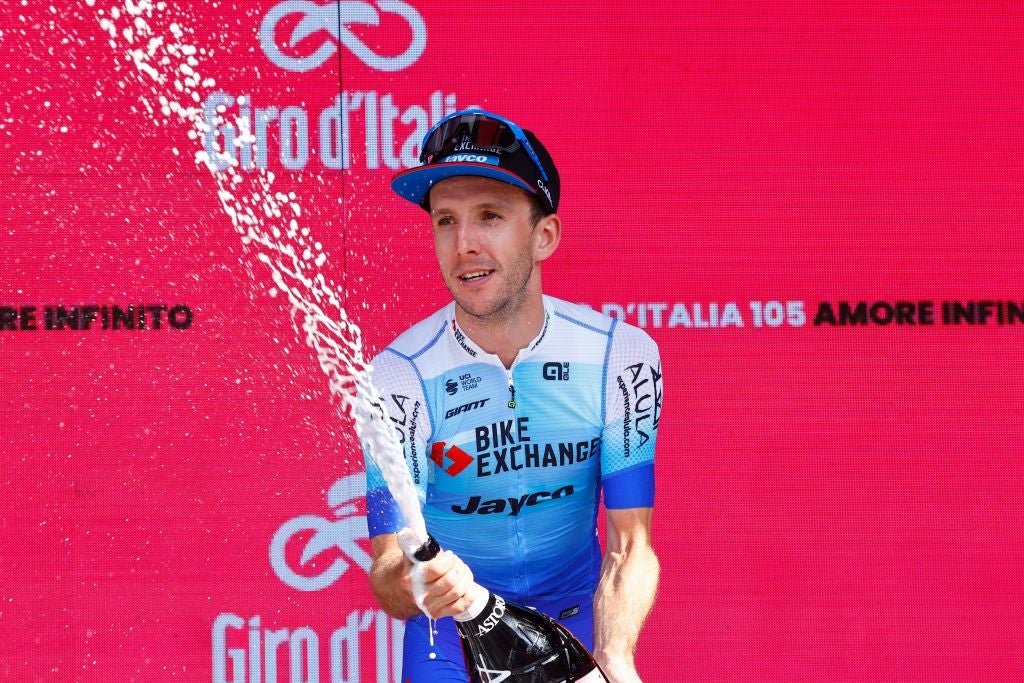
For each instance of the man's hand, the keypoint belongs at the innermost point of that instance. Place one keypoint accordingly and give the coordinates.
(445, 580)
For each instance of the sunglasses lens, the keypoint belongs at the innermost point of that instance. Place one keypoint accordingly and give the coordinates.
(489, 133)
(479, 130)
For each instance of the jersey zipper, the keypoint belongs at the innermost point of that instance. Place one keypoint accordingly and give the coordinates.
(519, 577)
(511, 389)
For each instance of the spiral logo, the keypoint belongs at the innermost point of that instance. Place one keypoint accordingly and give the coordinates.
(342, 533)
(335, 18)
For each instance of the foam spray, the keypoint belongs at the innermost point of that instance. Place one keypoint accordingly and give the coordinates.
(268, 224)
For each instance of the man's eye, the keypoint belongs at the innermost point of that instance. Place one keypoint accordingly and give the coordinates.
(445, 220)
(491, 216)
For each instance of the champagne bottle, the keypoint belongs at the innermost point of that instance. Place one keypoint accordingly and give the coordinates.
(506, 642)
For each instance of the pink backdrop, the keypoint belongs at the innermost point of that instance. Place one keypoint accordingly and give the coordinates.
(835, 501)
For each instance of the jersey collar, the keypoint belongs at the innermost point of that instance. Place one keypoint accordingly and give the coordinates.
(474, 351)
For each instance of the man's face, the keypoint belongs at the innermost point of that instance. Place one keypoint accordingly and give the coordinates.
(485, 245)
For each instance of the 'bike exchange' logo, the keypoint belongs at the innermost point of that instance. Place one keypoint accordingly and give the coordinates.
(335, 18)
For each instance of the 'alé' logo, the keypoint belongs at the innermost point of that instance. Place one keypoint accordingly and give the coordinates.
(556, 371)
(497, 506)
(460, 458)
(335, 18)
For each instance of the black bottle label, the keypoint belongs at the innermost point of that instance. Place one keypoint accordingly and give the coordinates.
(494, 611)
(509, 643)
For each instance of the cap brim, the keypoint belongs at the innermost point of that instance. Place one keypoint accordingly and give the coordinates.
(414, 183)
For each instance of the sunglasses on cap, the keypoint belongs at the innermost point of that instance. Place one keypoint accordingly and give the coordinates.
(482, 130)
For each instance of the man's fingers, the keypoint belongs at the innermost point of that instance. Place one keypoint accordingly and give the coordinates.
(439, 566)
(446, 594)
(454, 573)
(456, 581)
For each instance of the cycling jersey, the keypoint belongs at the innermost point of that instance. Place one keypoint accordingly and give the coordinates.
(510, 463)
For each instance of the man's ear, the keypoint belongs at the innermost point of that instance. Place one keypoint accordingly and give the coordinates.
(547, 235)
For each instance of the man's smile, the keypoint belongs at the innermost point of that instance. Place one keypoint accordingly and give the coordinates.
(474, 275)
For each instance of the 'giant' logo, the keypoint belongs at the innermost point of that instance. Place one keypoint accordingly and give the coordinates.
(334, 18)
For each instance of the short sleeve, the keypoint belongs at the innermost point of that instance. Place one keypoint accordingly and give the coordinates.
(633, 398)
(401, 389)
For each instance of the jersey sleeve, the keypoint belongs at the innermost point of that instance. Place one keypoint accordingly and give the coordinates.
(633, 397)
(401, 389)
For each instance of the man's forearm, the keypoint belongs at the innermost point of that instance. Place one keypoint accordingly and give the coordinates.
(386, 581)
(625, 595)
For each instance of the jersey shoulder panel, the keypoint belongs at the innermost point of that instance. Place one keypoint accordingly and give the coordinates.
(583, 316)
(634, 340)
(633, 360)
(398, 379)
(403, 394)
(419, 338)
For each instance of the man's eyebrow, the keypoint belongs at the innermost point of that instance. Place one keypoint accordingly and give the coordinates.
(489, 204)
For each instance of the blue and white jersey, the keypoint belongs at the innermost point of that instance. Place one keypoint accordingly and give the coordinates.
(510, 462)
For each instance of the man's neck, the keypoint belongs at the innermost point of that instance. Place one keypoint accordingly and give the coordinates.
(505, 336)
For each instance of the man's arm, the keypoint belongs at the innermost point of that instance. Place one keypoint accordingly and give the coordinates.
(625, 593)
(446, 581)
(390, 577)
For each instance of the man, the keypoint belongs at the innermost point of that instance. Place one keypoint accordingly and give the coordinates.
(516, 409)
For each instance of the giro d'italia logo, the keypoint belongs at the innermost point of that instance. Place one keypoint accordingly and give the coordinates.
(335, 18)
(340, 533)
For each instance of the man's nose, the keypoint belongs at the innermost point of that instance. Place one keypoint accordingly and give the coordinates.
(468, 238)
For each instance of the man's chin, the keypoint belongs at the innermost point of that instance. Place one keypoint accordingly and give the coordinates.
(475, 306)
(487, 308)
(478, 309)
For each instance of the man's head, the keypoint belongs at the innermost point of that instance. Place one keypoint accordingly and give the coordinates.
(489, 244)
(492, 191)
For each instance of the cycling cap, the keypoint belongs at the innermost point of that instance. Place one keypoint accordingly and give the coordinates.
(477, 143)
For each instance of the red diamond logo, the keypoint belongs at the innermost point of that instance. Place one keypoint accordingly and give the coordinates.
(460, 458)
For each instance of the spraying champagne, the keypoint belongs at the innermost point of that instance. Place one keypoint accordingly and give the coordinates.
(503, 641)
